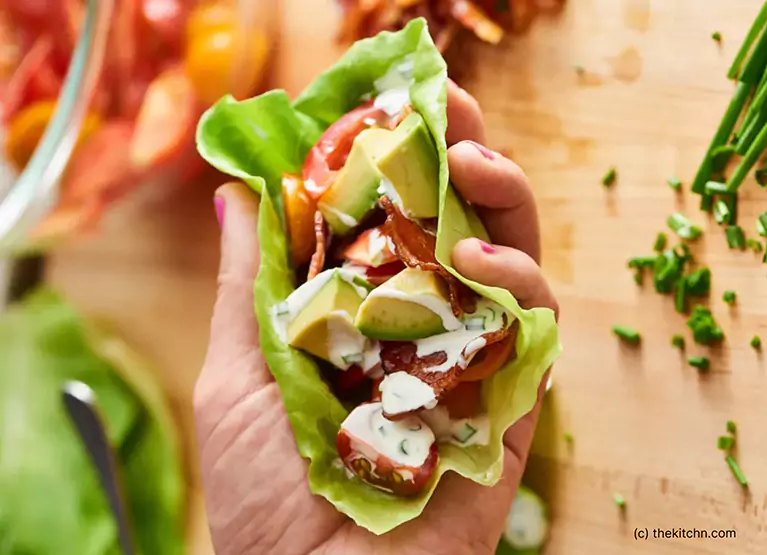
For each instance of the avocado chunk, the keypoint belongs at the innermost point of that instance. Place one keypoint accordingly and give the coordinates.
(354, 193)
(410, 164)
(412, 305)
(324, 326)
(402, 164)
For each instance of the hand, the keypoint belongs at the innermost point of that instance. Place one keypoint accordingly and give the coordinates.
(256, 491)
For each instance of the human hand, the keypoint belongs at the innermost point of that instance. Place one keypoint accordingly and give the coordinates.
(256, 490)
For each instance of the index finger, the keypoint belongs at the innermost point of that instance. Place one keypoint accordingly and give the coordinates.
(464, 116)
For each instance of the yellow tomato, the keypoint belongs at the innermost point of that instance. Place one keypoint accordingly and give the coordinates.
(28, 126)
(208, 18)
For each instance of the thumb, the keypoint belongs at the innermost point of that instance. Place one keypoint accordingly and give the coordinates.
(234, 329)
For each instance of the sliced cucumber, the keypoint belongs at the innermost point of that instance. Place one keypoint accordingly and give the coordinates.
(526, 525)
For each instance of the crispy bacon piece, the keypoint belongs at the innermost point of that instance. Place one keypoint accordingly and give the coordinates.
(398, 356)
(318, 258)
(415, 247)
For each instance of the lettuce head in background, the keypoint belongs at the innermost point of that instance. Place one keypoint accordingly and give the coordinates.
(51, 501)
(259, 139)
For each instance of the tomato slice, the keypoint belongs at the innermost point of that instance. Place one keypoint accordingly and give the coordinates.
(464, 400)
(166, 18)
(331, 151)
(299, 209)
(166, 119)
(101, 168)
(372, 248)
(489, 360)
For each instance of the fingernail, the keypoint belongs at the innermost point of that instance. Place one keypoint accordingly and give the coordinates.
(486, 247)
(218, 204)
(486, 152)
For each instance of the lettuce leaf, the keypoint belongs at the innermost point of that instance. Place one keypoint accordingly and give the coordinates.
(258, 139)
(51, 501)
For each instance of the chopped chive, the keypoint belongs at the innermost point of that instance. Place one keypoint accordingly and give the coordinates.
(680, 303)
(682, 226)
(568, 437)
(579, 69)
(756, 342)
(729, 297)
(725, 443)
(701, 363)
(761, 224)
(753, 33)
(720, 157)
(638, 277)
(674, 182)
(721, 212)
(619, 501)
(699, 282)
(677, 341)
(705, 330)
(752, 124)
(739, 98)
(403, 446)
(660, 242)
(754, 245)
(735, 237)
(609, 177)
(732, 427)
(627, 334)
(685, 255)
(640, 262)
(706, 202)
(717, 36)
(716, 187)
(736, 471)
(761, 174)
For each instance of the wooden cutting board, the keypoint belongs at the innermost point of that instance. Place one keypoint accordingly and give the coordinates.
(644, 423)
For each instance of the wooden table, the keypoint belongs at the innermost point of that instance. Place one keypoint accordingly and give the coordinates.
(644, 423)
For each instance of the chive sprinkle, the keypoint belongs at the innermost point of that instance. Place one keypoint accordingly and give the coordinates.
(735, 237)
(725, 443)
(753, 33)
(736, 470)
(721, 212)
(754, 245)
(717, 36)
(732, 427)
(627, 334)
(660, 242)
(705, 330)
(756, 342)
(716, 187)
(683, 227)
(761, 175)
(677, 341)
(680, 303)
(699, 282)
(674, 182)
(568, 437)
(729, 297)
(761, 224)
(701, 363)
(619, 501)
(609, 177)
(639, 262)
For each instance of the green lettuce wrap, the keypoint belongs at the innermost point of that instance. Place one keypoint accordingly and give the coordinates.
(256, 140)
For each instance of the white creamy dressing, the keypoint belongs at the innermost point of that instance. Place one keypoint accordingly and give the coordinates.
(371, 365)
(283, 313)
(449, 430)
(434, 303)
(394, 87)
(386, 187)
(343, 339)
(344, 218)
(402, 392)
(405, 442)
(461, 344)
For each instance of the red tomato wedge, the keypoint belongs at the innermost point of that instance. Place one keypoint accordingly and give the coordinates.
(464, 400)
(34, 79)
(167, 19)
(165, 121)
(372, 248)
(330, 153)
(123, 52)
(489, 360)
(101, 167)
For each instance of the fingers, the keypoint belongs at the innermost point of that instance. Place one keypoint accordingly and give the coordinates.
(501, 193)
(504, 267)
(464, 117)
(234, 330)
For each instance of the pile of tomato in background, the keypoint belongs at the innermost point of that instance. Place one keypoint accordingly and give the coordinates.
(164, 63)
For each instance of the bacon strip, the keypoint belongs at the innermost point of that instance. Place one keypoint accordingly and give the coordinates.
(318, 258)
(398, 356)
(415, 247)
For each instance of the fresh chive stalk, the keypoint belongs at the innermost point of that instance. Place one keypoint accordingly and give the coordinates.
(706, 202)
(754, 245)
(761, 224)
(729, 297)
(753, 33)
(701, 363)
(677, 341)
(754, 66)
(720, 157)
(683, 227)
(736, 239)
(716, 188)
(660, 243)
(627, 334)
(736, 470)
(725, 443)
(751, 130)
(747, 162)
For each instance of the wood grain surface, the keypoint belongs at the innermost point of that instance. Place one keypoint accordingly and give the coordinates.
(644, 423)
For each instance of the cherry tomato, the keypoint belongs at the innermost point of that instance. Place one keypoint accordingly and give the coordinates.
(28, 126)
(299, 209)
(464, 400)
(489, 360)
(165, 121)
(166, 19)
(372, 248)
(330, 153)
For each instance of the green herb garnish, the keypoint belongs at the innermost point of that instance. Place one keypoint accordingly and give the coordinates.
(619, 501)
(674, 182)
(609, 177)
(756, 342)
(639, 262)
(736, 470)
(716, 188)
(754, 245)
(683, 227)
(705, 330)
(701, 363)
(677, 341)
(761, 224)
(725, 443)
(627, 334)
(721, 212)
(736, 239)
(717, 36)
(660, 242)
(731, 427)
(680, 302)
(699, 282)
(729, 297)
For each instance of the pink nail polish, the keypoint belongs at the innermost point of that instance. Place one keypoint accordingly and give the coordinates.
(218, 204)
(486, 247)
(486, 152)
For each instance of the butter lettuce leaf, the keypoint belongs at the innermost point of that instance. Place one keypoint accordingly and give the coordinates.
(257, 140)
(51, 502)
